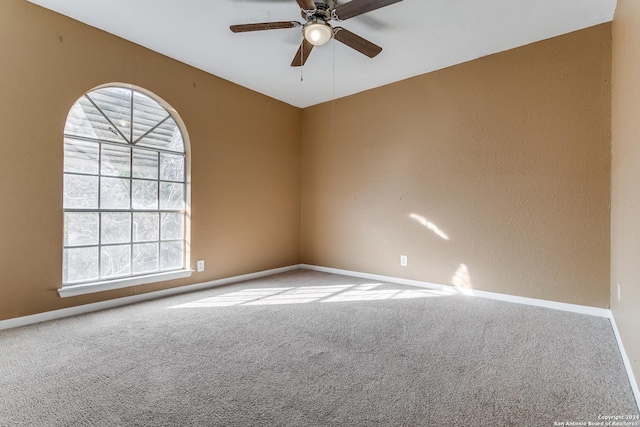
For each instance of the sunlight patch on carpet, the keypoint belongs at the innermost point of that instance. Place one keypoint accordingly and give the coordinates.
(309, 294)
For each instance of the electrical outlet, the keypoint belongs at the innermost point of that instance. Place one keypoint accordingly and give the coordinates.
(618, 291)
(200, 265)
(403, 260)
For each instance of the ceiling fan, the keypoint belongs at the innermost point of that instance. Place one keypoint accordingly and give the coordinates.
(316, 30)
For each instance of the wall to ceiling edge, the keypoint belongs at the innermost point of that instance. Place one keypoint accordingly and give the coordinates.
(492, 175)
(625, 197)
(245, 156)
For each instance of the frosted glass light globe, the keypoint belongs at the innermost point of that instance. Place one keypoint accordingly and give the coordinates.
(317, 33)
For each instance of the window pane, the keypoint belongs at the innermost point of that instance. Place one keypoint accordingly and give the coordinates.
(172, 226)
(145, 194)
(115, 103)
(80, 265)
(147, 113)
(145, 226)
(80, 156)
(114, 193)
(80, 192)
(171, 167)
(80, 228)
(167, 136)
(86, 120)
(116, 227)
(115, 261)
(145, 258)
(171, 255)
(145, 164)
(171, 195)
(115, 161)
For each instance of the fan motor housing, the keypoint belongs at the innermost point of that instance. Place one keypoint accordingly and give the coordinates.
(323, 10)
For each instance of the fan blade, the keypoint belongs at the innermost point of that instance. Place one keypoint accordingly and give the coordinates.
(303, 53)
(356, 42)
(358, 7)
(306, 4)
(243, 28)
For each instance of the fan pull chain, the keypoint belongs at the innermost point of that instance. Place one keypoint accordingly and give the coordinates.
(301, 64)
(333, 95)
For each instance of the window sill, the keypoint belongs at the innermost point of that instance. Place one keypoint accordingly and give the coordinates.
(91, 288)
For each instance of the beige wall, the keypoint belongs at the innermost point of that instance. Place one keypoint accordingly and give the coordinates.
(245, 151)
(508, 156)
(625, 194)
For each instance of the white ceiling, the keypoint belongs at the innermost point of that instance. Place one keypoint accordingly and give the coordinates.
(418, 36)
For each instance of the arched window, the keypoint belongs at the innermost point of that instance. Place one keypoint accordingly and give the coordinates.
(125, 192)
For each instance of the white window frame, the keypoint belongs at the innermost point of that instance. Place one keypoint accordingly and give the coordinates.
(100, 285)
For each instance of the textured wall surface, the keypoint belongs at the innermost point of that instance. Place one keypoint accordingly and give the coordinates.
(492, 175)
(625, 197)
(245, 156)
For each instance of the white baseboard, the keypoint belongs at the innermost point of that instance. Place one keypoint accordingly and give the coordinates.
(574, 308)
(87, 308)
(103, 305)
(627, 363)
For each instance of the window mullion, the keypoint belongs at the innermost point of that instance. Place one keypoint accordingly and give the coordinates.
(99, 209)
(159, 220)
(131, 196)
(131, 121)
(184, 212)
(119, 144)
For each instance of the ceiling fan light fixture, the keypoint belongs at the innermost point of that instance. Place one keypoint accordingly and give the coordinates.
(317, 33)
